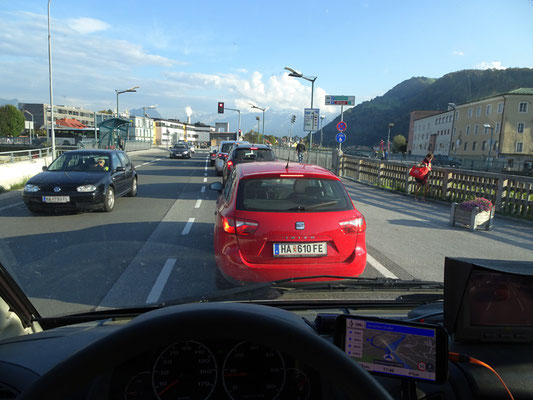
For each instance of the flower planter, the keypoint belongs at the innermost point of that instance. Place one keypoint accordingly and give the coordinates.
(474, 218)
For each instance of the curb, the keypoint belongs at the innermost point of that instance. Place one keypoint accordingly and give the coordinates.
(11, 194)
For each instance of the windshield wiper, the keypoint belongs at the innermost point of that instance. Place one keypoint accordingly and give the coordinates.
(312, 207)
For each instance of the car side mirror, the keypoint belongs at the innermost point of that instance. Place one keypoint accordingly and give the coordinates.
(216, 186)
(45, 168)
(120, 169)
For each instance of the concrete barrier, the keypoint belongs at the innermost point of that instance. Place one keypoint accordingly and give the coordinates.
(13, 173)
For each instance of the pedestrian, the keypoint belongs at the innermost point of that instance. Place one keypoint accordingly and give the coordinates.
(300, 149)
(424, 181)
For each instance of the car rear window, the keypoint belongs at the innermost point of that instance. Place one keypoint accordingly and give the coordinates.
(247, 154)
(292, 195)
(226, 147)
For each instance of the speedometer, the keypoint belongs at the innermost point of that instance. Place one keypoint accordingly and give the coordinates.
(185, 370)
(252, 371)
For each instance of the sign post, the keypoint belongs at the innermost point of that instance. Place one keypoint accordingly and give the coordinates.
(342, 101)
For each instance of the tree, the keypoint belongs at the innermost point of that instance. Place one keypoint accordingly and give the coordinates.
(11, 121)
(105, 112)
(399, 144)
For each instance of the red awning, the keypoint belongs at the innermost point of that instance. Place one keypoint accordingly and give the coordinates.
(70, 123)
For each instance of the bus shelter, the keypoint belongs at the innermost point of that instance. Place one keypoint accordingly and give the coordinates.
(113, 133)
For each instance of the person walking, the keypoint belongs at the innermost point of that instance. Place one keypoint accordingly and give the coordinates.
(300, 149)
(424, 181)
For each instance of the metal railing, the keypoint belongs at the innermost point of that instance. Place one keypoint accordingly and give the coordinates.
(24, 155)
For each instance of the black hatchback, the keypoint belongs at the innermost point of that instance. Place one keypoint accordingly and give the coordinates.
(82, 180)
(244, 153)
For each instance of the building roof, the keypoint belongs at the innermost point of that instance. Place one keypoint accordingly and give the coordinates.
(70, 123)
(522, 91)
(519, 92)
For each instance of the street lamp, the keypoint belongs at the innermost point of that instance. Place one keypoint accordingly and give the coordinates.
(262, 109)
(148, 108)
(452, 106)
(391, 124)
(312, 79)
(322, 117)
(50, 83)
(258, 119)
(490, 143)
(32, 127)
(132, 89)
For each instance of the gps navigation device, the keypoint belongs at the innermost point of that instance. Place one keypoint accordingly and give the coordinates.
(395, 348)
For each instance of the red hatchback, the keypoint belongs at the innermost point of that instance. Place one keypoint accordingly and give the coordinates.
(275, 223)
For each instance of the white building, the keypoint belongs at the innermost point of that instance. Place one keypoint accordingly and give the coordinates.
(432, 134)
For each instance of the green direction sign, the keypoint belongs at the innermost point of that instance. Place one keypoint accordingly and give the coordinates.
(340, 100)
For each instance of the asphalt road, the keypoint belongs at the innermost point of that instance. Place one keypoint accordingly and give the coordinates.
(158, 246)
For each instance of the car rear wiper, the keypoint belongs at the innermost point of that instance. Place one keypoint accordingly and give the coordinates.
(313, 206)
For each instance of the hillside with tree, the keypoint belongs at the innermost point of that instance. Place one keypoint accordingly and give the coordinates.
(368, 122)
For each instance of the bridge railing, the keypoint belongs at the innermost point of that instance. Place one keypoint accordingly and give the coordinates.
(24, 155)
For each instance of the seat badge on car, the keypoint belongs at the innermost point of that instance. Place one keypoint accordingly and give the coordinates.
(300, 225)
(58, 189)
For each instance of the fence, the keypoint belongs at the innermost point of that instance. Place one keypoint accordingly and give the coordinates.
(323, 158)
(23, 155)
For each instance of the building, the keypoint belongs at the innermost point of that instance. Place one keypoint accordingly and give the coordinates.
(39, 110)
(432, 134)
(414, 116)
(170, 131)
(495, 128)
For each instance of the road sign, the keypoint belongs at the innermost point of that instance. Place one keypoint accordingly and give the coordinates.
(311, 117)
(341, 137)
(340, 100)
(341, 126)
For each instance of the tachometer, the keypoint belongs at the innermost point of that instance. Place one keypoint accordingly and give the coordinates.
(185, 370)
(253, 371)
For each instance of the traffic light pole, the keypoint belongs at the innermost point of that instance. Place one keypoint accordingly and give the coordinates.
(239, 111)
(342, 119)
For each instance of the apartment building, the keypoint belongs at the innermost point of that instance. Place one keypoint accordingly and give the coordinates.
(417, 114)
(432, 134)
(495, 128)
(170, 131)
(42, 114)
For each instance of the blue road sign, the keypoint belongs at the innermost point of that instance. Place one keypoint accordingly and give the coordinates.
(341, 137)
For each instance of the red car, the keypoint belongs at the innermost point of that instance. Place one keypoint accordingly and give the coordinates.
(274, 222)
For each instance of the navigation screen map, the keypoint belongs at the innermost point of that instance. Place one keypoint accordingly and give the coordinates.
(407, 351)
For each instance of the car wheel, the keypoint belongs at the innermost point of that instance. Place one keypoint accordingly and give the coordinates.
(109, 201)
(212, 163)
(133, 191)
(219, 173)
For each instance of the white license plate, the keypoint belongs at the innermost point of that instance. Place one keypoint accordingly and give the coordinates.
(317, 249)
(56, 199)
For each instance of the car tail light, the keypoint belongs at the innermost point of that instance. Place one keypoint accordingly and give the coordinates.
(221, 156)
(229, 164)
(226, 155)
(254, 148)
(242, 228)
(353, 226)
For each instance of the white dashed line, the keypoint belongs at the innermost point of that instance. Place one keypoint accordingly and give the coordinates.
(188, 226)
(16, 204)
(379, 267)
(161, 281)
(203, 189)
(198, 202)
(205, 179)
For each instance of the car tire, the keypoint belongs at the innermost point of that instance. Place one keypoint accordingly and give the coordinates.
(133, 190)
(109, 200)
(219, 173)
(212, 163)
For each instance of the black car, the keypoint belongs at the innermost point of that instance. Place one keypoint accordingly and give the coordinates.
(441, 160)
(82, 180)
(180, 150)
(244, 153)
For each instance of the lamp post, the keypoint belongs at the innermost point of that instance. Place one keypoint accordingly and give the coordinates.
(258, 119)
(452, 106)
(391, 124)
(239, 111)
(322, 117)
(148, 108)
(50, 83)
(262, 109)
(31, 115)
(490, 143)
(312, 79)
(132, 89)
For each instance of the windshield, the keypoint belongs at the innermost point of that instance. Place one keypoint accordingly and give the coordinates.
(361, 91)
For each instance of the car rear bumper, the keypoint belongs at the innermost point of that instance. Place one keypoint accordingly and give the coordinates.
(78, 201)
(235, 268)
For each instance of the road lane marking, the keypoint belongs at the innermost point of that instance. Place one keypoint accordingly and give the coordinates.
(14, 205)
(198, 202)
(188, 226)
(161, 281)
(205, 179)
(379, 267)
(203, 189)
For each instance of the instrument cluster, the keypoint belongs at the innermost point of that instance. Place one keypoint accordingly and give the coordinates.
(214, 370)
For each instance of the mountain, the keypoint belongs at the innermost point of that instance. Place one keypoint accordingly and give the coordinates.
(13, 102)
(152, 113)
(368, 122)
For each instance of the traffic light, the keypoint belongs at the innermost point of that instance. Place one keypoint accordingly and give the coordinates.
(221, 107)
(293, 119)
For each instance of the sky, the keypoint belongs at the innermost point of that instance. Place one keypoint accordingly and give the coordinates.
(188, 55)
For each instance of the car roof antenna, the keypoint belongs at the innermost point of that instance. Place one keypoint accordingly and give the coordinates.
(288, 159)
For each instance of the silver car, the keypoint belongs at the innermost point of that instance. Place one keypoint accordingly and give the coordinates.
(222, 155)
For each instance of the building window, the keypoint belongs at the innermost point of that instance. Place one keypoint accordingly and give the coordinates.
(454, 129)
(522, 107)
(474, 146)
(520, 127)
(497, 130)
(465, 145)
(457, 115)
(500, 108)
(495, 147)
(469, 113)
(476, 129)
(519, 146)
(478, 111)
(488, 109)
(483, 145)
(468, 129)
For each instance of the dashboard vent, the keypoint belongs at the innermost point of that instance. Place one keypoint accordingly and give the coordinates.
(7, 392)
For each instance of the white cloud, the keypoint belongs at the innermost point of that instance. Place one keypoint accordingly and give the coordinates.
(86, 25)
(458, 53)
(490, 65)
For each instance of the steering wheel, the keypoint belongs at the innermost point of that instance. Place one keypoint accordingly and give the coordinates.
(264, 325)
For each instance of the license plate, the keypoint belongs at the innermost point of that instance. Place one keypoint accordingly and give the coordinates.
(56, 199)
(318, 249)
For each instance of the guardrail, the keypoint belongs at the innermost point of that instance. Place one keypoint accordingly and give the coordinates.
(511, 194)
(23, 155)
